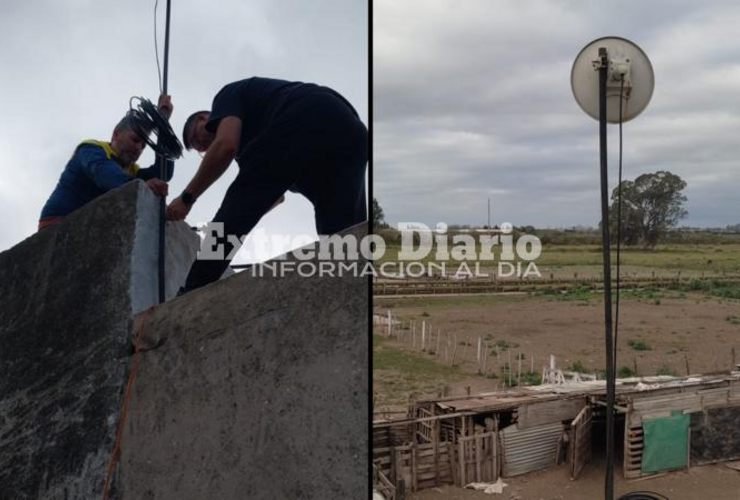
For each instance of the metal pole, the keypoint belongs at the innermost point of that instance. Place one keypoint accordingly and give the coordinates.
(163, 164)
(610, 382)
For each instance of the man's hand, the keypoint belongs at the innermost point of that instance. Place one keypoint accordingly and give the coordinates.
(177, 209)
(158, 186)
(165, 106)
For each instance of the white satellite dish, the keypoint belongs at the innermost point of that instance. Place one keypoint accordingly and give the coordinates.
(624, 57)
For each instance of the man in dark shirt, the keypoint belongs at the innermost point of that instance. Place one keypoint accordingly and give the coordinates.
(283, 135)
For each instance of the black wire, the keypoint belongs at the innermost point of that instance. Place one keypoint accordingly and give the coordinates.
(619, 225)
(156, 48)
(643, 495)
(146, 119)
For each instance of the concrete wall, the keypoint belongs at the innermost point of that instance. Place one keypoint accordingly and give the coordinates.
(250, 388)
(65, 328)
(258, 389)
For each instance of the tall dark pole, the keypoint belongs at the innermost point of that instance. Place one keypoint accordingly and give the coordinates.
(610, 383)
(163, 163)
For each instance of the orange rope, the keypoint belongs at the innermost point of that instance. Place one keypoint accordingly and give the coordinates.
(124, 405)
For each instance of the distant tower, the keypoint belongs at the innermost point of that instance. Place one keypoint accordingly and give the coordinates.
(489, 213)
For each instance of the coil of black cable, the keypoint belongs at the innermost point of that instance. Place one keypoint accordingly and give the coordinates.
(145, 120)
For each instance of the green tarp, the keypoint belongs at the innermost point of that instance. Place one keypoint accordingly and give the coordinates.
(666, 443)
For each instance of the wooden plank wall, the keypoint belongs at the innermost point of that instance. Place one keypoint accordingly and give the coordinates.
(535, 415)
(427, 465)
(423, 466)
(478, 458)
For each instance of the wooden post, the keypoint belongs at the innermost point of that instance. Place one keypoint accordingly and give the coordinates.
(413, 336)
(394, 476)
(436, 452)
(423, 333)
(438, 338)
(453, 463)
(519, 377)
(389, 322)
(465, 351)
(461, 458)
(531, 365)
(485, 357)
(508, 352)
(634, 362)
(480, 342)
(414, 485)
(478, 446)
(494, 447)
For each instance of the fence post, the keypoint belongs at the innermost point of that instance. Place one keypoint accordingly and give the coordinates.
(480, 342)
(485, 357)
(519, 377)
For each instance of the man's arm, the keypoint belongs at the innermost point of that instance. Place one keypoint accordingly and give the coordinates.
(219, 156)
(105, 173)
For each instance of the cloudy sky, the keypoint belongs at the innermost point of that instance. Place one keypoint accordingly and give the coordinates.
(472, 100)
(68, 69)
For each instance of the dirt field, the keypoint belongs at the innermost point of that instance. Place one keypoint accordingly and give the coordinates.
(712, 482)
(658, 334)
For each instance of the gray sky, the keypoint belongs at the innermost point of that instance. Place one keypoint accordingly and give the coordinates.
(68, 69)
(472, 100)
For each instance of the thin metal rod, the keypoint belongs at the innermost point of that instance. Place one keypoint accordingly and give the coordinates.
(610, 382)
(163, 166)
(166, 49)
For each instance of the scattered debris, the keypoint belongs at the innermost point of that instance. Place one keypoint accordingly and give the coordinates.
(733, 465)
(490, 488)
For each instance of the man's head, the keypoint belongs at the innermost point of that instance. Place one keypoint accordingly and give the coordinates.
(126, 142)
(194, 133)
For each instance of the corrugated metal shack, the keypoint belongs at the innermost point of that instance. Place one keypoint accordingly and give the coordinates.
(664, 423)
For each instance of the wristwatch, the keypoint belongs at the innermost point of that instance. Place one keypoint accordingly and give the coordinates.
(187, 198)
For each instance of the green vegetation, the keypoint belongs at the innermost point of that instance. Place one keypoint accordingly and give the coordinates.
(626, 372)
(528, 378)
(577, 366)
(378, 216)
(580, 251)
(400, 374)
(716, 288)
(639, 345)
(652, 204)
(733, 320)
(386, 357)
(664, 370)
